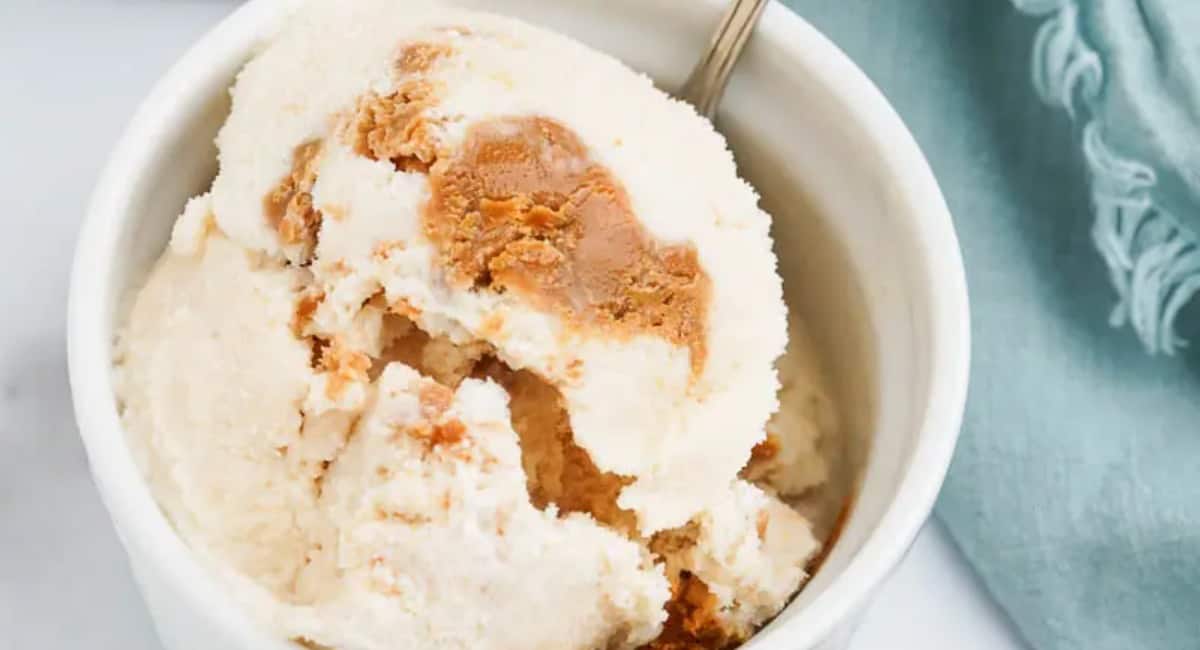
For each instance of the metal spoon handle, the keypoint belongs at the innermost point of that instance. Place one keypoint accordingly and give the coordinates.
(705, 85)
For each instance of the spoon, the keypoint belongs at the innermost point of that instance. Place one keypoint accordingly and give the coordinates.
(706, 84)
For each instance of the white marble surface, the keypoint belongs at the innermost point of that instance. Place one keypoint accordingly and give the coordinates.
(72, 73)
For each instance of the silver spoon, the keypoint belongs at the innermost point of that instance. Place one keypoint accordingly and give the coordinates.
(706, 84)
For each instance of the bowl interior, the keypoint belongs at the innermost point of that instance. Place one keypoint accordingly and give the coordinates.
(853, 262)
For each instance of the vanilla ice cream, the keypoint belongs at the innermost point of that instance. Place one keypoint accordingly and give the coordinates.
(472, 344)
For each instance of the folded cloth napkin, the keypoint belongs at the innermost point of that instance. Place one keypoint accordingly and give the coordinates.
(1075, 492)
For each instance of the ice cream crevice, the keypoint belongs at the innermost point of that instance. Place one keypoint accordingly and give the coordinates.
(558, 471)
(692, 619)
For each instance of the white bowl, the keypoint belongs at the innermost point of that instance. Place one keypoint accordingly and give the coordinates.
(867, 250)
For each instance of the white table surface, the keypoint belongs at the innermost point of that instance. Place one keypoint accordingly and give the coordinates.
(72, 71)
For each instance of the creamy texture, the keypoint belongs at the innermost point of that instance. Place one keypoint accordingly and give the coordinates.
(449, 357)
(438, 545)
(211, 380)
(679, 431)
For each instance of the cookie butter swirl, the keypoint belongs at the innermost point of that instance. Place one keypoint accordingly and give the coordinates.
(520, 205)
(523, 208)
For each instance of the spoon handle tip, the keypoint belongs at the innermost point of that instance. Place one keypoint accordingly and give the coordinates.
(705, 85)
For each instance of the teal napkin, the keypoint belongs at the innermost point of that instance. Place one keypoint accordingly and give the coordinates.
(1065, 139)
(1129, 72)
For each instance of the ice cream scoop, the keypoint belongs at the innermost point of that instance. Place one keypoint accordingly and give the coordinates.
(474, 324)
